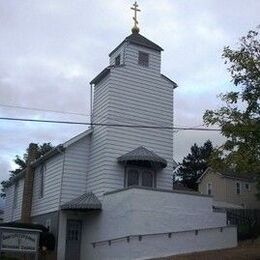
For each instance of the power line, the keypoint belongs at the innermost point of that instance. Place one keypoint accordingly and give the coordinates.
(43, 110)
(109, 125)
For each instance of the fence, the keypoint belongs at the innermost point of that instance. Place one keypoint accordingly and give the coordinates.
(246, 220)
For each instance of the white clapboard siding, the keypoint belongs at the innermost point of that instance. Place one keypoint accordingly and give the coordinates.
(11, 212)
(120, 51)
(95, 176)
(52, 186)
(75, 170)
(133, 94)
(98, 137)
(18, 209)
(101, 100)
(8, 212)
(131, 59)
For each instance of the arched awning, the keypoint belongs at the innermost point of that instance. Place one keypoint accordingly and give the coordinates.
(143, 155)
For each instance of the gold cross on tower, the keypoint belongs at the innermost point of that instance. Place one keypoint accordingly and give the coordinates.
(135, 29)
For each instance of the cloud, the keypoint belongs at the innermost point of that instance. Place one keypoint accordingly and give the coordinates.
(50, 51)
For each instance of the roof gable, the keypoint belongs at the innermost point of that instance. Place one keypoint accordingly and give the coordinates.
(230, 174)
(56, 150)
(138, 39)
(101, 75)
(174, 84)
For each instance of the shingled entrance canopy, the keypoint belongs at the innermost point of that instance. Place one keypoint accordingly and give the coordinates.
(84, 202)
(143, 155)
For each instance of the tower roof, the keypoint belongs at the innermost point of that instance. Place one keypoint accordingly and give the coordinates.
(138, 39)
(143, 154)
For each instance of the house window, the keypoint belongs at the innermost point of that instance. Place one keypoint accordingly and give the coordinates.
(117, 60)
(247, 187)
(209, 189)
(143, 59)
(132, 177)
(16, 194)
(138, 176)
(42, 175)
(238, 188)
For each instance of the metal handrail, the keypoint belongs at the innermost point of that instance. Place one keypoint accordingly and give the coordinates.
(169, 234)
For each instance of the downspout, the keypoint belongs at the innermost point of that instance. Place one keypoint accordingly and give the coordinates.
(59, 210)
(91, 105)
(62, 173)
(173, 138)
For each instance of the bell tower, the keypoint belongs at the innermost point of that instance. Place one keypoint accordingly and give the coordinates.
(131, 92)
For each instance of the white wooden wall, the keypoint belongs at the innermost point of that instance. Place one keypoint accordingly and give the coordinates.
(9, 203)
(52, 186)
(120, 51)
(12, 213)
(97, 159)
(130, 94)
(75, 170)
(64, 179)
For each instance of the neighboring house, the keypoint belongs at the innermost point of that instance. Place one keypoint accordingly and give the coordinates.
(229, 189)
(107, 193)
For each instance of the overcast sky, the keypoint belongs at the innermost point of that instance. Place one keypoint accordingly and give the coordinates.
(51, 49)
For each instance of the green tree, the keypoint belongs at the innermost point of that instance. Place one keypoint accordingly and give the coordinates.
(21, 162)
(194, 164)
(239, 117)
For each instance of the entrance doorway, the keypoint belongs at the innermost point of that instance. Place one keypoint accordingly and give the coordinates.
(73, 239)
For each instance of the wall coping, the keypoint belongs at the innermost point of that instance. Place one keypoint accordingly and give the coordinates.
(192, 193)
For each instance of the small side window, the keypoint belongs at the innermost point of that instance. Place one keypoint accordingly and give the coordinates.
(117, 60)
(247, 187)
(209, 189)
(147, 178)
(133, 177)
(138, 176)
(238, 188)
(143, 59)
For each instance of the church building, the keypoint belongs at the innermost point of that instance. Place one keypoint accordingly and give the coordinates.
(107, 193)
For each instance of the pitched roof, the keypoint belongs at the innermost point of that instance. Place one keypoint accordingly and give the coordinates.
(170, 80)
(56, 150)
(242, 176)
(138, 39)
(101, 75)
(231, 174)
(143, 154)
(87, 200)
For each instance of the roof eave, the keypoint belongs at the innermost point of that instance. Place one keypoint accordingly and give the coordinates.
(113, 51)
(57, 150)
(101, 75)
(174, 84)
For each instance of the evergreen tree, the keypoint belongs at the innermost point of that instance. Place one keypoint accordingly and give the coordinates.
(194, 164)
(21, 162)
